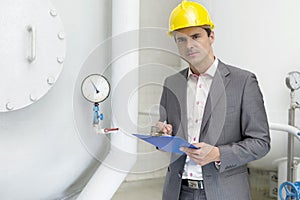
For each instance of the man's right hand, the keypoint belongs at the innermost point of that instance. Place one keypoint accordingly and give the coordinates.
(165, 128)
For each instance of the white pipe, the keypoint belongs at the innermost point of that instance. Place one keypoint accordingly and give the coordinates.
(122, 156)
(286, 128)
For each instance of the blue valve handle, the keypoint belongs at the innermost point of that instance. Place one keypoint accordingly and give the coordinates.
(96, 114)
(292, 193)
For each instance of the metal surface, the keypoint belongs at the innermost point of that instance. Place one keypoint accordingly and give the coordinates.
(41, 155)
(32, 48)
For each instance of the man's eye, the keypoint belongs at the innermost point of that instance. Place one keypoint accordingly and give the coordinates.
(180, 40)
(195, 37)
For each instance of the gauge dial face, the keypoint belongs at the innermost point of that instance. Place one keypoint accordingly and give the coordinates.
(293, 80)
(95, 88)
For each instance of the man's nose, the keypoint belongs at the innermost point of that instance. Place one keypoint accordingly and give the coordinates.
(190, 43)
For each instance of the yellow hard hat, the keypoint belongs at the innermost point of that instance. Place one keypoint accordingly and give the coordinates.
(188, 14)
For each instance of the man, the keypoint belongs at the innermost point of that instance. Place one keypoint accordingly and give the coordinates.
(218, 108)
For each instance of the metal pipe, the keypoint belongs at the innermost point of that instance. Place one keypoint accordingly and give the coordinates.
(290, 152)
(286, 128)
(123, 153)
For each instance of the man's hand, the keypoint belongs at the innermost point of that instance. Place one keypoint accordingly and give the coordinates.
(204, 155)
(165, 128)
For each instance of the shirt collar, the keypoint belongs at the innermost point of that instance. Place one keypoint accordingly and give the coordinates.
(210, 71)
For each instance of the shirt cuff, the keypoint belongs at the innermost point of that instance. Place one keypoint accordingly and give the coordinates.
(218, 164)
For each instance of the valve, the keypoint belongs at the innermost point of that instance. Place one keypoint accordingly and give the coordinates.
(96, 122)
(289, 190)
(97, 116)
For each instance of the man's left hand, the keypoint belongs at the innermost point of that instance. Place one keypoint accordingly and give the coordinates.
(204, 155)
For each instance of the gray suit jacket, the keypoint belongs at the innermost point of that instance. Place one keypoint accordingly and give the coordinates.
(234, 120)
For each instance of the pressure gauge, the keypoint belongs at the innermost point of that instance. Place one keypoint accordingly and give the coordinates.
(293, 80)
(95, 88)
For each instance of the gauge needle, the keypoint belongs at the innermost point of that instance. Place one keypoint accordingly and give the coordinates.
(97, 91)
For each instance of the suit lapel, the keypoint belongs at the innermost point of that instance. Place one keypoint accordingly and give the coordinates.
(215, 109)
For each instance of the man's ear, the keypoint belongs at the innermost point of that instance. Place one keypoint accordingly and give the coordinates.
(212, 37)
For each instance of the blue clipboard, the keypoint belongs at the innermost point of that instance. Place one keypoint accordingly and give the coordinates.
(167, 143)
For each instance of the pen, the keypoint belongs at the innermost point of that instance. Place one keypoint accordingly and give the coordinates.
(165, 124)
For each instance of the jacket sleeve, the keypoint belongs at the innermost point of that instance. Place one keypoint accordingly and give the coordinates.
(255, 135)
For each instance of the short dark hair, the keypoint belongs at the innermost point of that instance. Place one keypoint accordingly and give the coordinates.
(208, 31)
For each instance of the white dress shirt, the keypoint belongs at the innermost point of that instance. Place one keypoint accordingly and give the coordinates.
(197, 92)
